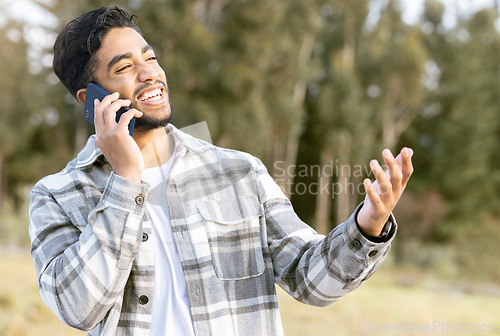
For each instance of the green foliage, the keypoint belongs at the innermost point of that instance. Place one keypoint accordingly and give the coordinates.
(461, 122)
(299, 82)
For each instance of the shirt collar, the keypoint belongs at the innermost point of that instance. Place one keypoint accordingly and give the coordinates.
(184, 141)
(90, 154)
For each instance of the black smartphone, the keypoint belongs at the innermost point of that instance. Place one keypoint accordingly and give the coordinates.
(95, 91)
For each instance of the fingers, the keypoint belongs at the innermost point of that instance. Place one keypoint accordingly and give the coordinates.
(101, 110)
(105, 113)
(383, 194)
(373, 197)
(394, 171)
(400, 168)
(407, 165)
(383, 184)
(390, 184)
(127, 117)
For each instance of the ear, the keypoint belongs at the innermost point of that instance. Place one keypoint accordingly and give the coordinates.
(80, 95)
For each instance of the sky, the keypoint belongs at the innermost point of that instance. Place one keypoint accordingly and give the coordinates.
(29, 12)
(413, 9)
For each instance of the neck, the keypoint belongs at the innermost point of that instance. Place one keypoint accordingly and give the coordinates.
(156, 146)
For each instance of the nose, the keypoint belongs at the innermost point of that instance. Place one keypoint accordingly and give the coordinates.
(148, 72)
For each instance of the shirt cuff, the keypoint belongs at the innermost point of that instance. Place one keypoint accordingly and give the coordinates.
(387, 231)
(125, 195)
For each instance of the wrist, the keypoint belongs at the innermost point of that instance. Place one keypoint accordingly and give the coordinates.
(386, 233)
(370, 231)
(369, 225)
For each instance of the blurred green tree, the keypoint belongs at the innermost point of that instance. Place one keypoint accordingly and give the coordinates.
(15, 100)
(366, 95)
(317, 83)
(460, 123)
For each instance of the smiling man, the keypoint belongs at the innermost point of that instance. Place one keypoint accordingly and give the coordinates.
(165, 234)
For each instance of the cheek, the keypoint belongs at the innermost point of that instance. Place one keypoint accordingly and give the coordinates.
(162, 73)
(126, 89)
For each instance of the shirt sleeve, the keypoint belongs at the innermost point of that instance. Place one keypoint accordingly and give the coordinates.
(82, 270)
(313, 268)
(385, 235)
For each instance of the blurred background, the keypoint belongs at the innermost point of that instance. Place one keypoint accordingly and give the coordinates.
(315, 89)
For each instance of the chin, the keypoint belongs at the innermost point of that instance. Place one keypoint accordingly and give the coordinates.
(147, 123)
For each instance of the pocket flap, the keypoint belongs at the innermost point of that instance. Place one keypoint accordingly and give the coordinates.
(231, 212)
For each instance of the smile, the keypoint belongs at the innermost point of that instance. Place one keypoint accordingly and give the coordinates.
(151, 96)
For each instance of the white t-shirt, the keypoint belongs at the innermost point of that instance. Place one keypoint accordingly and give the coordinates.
(171, 311)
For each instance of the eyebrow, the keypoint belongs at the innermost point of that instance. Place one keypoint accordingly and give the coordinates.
(118, 58)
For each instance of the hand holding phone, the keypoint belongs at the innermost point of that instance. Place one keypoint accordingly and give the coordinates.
(95, 91)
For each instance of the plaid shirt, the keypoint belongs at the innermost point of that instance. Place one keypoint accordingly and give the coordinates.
(235, 232)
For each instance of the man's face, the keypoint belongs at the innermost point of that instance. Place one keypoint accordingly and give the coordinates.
(127, 64)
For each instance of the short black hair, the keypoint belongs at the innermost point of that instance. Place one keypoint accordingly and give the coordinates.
(76, 45)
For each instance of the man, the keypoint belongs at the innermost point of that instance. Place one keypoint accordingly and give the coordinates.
(164, 234)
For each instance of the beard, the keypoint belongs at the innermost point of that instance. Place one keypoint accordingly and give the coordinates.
(150, 122)
(159, 118)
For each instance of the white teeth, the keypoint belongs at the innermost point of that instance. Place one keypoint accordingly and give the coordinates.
(150, 94)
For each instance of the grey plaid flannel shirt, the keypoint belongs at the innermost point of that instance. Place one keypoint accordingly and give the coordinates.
(235, 231)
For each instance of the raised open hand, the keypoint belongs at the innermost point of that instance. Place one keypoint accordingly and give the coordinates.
(383, 194)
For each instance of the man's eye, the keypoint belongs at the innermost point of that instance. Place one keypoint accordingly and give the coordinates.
(123, 68)
(152, 58)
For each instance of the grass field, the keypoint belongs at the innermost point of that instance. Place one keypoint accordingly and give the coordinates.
(391, 303)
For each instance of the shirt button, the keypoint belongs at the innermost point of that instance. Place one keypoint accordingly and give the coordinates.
(139, 200)
(372, 253)
(145, 236)
(356, 243)
(197, 290)
(143, 300)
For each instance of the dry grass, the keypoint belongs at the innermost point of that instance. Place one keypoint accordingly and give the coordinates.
(380, 307)
(22, 311)
(388, 303)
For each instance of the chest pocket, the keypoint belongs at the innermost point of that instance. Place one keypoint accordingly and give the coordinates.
(234, 236)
